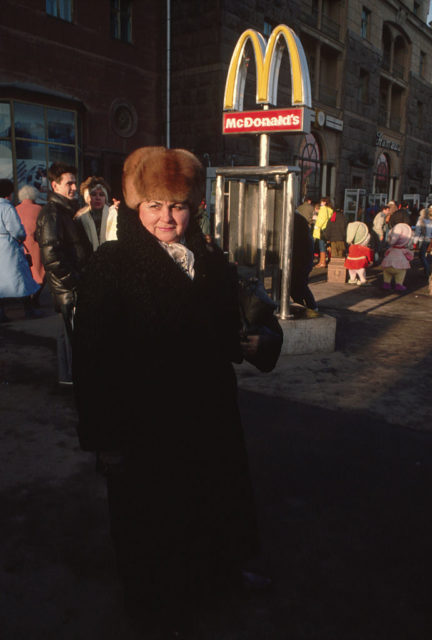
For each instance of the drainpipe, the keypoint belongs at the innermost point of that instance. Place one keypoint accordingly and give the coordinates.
(168, 75)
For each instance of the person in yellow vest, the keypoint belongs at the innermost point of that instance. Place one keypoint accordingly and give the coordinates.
(324, 214)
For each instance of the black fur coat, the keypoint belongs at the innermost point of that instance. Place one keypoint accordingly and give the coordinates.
(153, 378)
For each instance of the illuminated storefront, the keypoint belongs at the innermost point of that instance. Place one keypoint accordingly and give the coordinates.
(32, 137)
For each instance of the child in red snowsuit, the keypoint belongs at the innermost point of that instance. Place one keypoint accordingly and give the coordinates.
(360, 255)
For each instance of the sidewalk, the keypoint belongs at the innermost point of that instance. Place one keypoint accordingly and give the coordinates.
(383, 358)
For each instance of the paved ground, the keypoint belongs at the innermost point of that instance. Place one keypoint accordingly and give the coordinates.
(383, 357)
(341, 458)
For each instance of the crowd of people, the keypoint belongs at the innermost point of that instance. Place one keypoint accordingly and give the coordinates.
(387, 236)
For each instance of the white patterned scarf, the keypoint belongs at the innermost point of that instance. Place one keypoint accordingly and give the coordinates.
(182, 256)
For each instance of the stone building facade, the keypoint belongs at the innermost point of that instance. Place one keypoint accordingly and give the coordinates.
(370, 65)
(79, 83)
(90, 81)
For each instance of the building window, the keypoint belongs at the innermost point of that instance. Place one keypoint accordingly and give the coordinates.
(310, 166)
(419, 114)
(121, 20)
(268, 28)
(382, 174)
(422, 64)
(365, 23)
(42, 135)
(363, 87)
(416, 8)
(60, 9)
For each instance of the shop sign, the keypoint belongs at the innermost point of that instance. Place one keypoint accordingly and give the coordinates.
(385, 143)
(267, 61)
(270, 121)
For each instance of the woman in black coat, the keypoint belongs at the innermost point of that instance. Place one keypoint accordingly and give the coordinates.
(156, 330)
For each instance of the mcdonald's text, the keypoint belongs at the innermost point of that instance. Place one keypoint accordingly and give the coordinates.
(269, 121)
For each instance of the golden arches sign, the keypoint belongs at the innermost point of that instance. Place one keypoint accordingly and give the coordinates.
(268, 59)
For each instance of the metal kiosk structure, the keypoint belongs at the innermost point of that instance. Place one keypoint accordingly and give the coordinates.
(270, 193)
(254, 219)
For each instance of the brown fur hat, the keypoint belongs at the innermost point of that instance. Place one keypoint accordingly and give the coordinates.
(157, 173)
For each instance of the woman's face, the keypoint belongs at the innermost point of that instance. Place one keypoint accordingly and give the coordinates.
(97, 199)
(164, 219)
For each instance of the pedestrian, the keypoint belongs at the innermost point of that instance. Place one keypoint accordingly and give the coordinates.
(98, 220)
(306, 209)
(397, 258)
(324, 214)
(335, 233)
(379, 229)
(302, 263)
(360, 255)
(16, 280)
(157, 326)
(397, 215)
(370, 214)
(65, 250)
(28, 211)
(423, 237)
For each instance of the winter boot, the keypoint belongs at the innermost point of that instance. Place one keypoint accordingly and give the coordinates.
(322, 260)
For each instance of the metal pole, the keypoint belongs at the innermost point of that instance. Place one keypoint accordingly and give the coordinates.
(168, 75)
(240, 220)
(219, 209)
(290, 199)
(264, 157)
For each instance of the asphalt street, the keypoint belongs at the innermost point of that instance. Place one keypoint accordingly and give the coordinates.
(340, 451)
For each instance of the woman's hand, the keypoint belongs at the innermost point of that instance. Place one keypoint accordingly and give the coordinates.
(249, 346)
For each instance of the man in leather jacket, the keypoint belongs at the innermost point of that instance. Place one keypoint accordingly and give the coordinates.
(64, 251)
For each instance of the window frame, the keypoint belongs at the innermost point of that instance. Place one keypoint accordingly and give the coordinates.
(365, 26)
(117, 16)
(59, 6)
(48, 142)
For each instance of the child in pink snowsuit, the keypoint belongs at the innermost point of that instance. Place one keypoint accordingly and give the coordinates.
(397, 258)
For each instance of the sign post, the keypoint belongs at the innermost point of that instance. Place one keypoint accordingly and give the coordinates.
(268, 57)
(264, 156)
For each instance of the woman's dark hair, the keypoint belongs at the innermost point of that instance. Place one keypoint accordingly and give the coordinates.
(6, 187)
(327, 201)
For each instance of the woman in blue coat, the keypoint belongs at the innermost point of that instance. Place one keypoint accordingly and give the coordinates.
(16, 280)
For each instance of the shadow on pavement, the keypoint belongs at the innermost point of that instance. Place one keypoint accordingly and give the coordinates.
(344, 503)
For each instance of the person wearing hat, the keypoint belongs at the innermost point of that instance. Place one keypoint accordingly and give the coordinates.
(397, 258)
(360, 255)
(98, 220)
(156, 332)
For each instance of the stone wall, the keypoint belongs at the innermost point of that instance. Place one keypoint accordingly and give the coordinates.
(418, 153)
